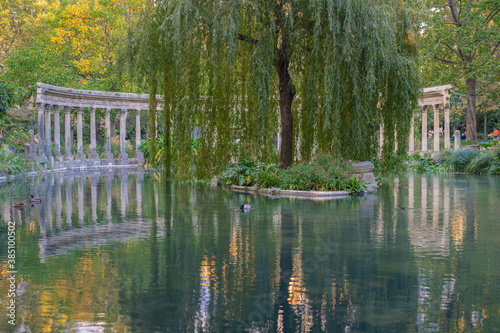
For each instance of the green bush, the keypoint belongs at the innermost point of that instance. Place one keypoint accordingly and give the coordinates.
(458, 160)
(481, 164)
(245, 173)
(12, 162)
(421, 164)
(324, 173)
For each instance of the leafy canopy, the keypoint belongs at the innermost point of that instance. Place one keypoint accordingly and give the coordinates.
(353, 64)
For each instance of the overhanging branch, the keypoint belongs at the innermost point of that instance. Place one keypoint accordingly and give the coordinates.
(445, 60)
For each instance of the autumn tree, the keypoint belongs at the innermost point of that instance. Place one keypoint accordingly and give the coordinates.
(465, 40)
(225, 67)
(86, 33)
(21, 21)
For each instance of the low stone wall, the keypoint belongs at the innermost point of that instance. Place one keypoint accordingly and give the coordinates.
(279, 193)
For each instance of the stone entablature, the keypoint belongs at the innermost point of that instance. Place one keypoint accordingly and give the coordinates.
(54, 95)
(52, 100)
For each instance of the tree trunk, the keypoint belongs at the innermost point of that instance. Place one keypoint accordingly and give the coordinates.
(287, 92)
(471, 127)
(485, 130)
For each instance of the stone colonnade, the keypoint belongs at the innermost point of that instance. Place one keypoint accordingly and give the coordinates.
(51, 100)
(438, 98)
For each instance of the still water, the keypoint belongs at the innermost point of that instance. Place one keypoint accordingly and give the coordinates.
(121, 251)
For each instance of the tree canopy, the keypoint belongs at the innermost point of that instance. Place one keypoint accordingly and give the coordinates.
(462, 40)
(334, 69)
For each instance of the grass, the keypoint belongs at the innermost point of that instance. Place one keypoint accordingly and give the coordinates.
(12, 162)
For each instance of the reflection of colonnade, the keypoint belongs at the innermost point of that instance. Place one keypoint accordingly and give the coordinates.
(87, 188)
(52, 99)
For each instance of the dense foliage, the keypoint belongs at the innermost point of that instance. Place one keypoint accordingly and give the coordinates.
(12, 162)
(226, 68)
(324, 173)
(486, 162)
(460, 46)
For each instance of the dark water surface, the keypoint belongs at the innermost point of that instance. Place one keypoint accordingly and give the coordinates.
(126, 252)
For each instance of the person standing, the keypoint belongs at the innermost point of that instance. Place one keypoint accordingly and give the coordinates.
(495, 133)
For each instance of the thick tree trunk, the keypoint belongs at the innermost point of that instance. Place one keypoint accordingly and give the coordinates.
(287, 92)
(471, 127)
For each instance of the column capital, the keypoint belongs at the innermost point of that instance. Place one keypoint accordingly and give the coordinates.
(67, 109)
(92, 109)
(47, 107)
(424, 108)
(123, 111)
(108, 110)
(79, 109)
(56, 108)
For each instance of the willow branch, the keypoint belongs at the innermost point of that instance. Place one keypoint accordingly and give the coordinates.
(247, 39)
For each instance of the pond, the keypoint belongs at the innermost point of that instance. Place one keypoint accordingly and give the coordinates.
(122, 251)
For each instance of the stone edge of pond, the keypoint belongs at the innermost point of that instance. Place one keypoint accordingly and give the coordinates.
(277, 192)
(5, 179)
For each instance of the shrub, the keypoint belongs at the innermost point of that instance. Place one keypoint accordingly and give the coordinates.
(421, 164)
(116, 148)
(458, 160)
(12, 162)
(481, 164)
(244, 173)
(324, 173)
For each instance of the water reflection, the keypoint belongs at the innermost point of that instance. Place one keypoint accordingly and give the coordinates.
(120, 251)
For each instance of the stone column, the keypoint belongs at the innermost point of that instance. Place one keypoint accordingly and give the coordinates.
(108, 155)
(123, 132)
(93, 151)
(57, 134)
(457, 140)
(436, 131)
(138, 153)
(79, 135)
(48, 148)
(41, 131)
(68, 156)
(447, 143)
(424, 129)
(411, 143)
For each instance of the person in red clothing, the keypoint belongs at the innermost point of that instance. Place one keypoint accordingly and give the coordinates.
(495, 133)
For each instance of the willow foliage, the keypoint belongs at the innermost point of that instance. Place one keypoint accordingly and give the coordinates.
(351, 64)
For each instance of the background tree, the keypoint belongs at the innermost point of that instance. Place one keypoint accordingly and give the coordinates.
(224, 65)
(465, 40)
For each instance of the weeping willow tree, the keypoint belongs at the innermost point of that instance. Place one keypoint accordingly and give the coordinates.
(322, 74)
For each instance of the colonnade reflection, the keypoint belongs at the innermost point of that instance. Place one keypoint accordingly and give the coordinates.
(89, 201)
